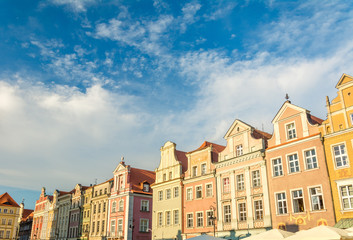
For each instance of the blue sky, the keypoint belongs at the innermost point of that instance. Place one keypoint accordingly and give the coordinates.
(83, 83)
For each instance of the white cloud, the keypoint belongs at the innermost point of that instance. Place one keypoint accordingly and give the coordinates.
(73, 5)
(189, 14)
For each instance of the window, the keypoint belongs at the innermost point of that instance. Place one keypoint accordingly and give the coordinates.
(97, 226)
(347, 196)
(160, 219)
(167, 218)
(258, 210)
(351, 115)
(7, 234)
(3, 221)
(291, 131)
(199, 219)
(105, 191)
(310, 159)
(164, 177)
(114, 207)
(99, 208)
(144, 205)
(340, 155)
(226, 185)
(143, 225)
(146, 187)
(242, 212)
(112, 227)
(93, 226)
(103, 223)
(1, 234)
(160, 195)
(203, 169)
(94, 208)
(101, 192)
(256, 178)
(210, 219)
(104, 207)
(209, 190)
(168, 194)
(198, 191)
(298, 201)
(11, 211)
(240, 182)
(189, 194)
(120, 225)
(317, 201)
(190, 220)
(277, 167)
(176, 216)
(281, 203)
(9, 222)
(5, 210)
(194, 171)
(227, 214)
(239, 150)
(293, 163)
(176, 192)
(121, 205)
(170, 175)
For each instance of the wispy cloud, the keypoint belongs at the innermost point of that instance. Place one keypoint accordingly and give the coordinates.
(72, 5)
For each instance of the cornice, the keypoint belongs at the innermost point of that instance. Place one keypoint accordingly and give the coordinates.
(242, 158)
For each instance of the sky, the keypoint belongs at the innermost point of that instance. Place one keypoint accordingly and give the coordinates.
(83, 83)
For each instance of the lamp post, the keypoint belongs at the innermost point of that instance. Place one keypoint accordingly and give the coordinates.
(213, 219)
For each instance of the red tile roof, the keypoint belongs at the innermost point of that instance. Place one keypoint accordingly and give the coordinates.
(26, 214)
(260, 134)
(183, 159)
(139, 176)
(7, 200)
(314, 120)
(216, 148)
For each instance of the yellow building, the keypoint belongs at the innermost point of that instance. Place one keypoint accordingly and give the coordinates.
(86, 209)
(9, 215)
(337, 130)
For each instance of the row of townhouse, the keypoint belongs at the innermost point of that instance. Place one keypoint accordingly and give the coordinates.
(297, 178)
(119, 208)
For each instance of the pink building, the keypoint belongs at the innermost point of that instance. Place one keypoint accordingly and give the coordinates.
(299, 185)
(200, 190)
(130, 203)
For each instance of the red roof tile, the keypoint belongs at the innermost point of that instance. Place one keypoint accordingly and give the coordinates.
(7, 200)
(26, 214)
(260, 134)
(139, 176)
(314, 120)
(183, 159)
(216, 148)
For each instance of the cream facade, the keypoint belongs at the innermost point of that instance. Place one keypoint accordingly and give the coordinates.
(9, 216)
(86, 209)
(168, 194)
(241, 177)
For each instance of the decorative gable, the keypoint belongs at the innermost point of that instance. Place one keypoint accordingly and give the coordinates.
(345, 79)
(236, 128)
(288, 110)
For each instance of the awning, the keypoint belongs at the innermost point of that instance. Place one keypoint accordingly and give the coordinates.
(344, 223)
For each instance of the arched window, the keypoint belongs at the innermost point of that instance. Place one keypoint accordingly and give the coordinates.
(121, 205)
(114, 207)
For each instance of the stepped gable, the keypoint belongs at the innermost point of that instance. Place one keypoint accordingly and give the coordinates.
(138, 177)
(7, 200)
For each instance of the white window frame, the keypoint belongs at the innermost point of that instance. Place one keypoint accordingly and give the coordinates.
(239, 150)
(176, 216)
(112, 226)
(256, 180)
(160, 195)
(277, 166)
(259, 211)
(292, 199)
(144, 224)
(310, 157)
(348, 197)
(311, 197)
(226, 187)
(209, 191)
(168, 194)
(189, 224)
(334, 156)
(189, 194)
(227, 215)
(209, 214)
(199, 219)
(113, 207)
(287, 131)
(176, 192)
(240, 182)
(198, 189)
(168, 218)
(242, 212)
(145, 205)
(288, 162)
(194, 171)
(121, 205)
(203, 168)
(160, 219)
(282, 201)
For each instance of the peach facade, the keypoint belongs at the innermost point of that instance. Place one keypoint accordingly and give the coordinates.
(243, 200)
(337, 130)
(298, 180)
(200, 191)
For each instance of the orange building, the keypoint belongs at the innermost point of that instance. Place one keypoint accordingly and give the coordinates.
(299, 185)
(200, 190)
(337, 130)
(241, 176)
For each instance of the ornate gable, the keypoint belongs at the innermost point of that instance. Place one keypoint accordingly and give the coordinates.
(237, 128)
(288, 110)
(345, 79)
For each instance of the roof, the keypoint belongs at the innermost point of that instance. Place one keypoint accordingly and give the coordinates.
(314, 120)
(27, 213)
(7, 200)
(181, 157)
(216, 148)
(260, 134)
(138, 176)
(344, 223)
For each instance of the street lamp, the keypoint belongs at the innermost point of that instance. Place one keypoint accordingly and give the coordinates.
(213, 219)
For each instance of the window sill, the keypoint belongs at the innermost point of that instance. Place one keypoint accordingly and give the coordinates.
(318, 211)
(342, 167)
(311, 169)
(298, 213)
(282, 215)
(278, 176)
(346, 210)
(294, 173)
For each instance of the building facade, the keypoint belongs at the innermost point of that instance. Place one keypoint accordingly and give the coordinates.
(86, 209)
(167, 211)
(64, 203)
(40, 216)
(130, 203)
(241, 177)
(297, 173)
(9, 216)
(199, 197)
(337, 130)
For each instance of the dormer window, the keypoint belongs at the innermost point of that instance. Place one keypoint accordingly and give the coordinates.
(146, 187)
(239, 150)
(291, 133)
